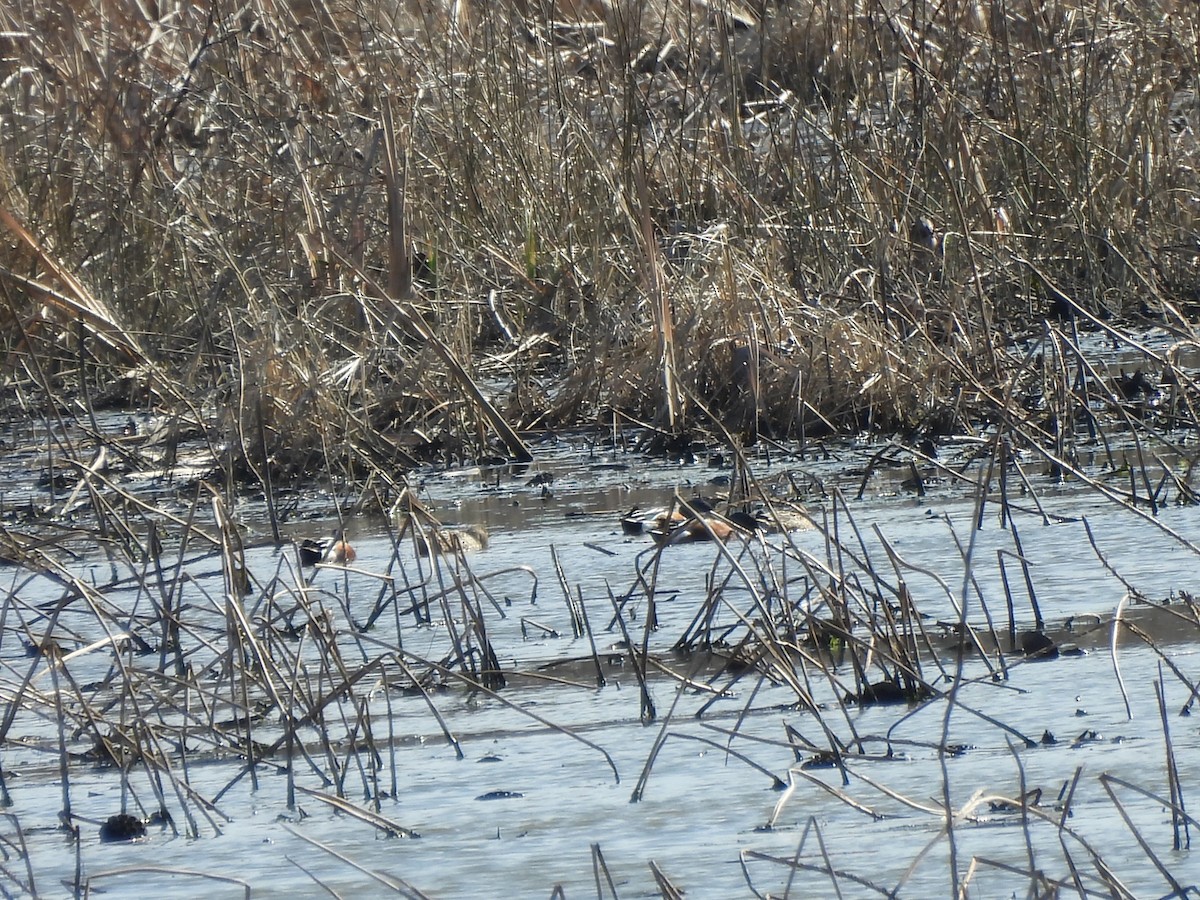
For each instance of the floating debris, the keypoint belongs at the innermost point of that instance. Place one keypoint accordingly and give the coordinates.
(1037, 645)
(883, 693)
(826, 759)
(500, 795)
(1029, 799)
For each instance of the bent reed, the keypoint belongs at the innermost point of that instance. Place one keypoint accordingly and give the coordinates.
(344, 238)
(339, 240)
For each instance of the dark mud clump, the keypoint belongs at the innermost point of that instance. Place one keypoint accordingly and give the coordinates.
(122, 828)
(1037, 645)
(890, 693)
(500, 795)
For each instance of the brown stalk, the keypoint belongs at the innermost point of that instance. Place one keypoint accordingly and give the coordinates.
(394, 884)
(1107, 781)
(387, 826)
(77, 303)
(1179, 819)
(795, 866)
(409, 316)
(174, 872)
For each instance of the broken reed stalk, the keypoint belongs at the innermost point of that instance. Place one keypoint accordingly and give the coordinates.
(490, 671)
(1182, 837)
(587, 628)
(17, 847)
(52, 653)
(660, 739)
(1038, 622)
(1112, 647)
(1022, 793)
(794, 866)
(573, 607)
(385, 825)
(666, 888)
(462, 656)
(777, 783)
(1107, 781)
(602, 876)
(646, 708)
(1008, 600)
(174, 873)
(1193, 689)
(392, 883)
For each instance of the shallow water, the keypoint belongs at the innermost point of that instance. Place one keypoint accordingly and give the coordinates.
(703, 812)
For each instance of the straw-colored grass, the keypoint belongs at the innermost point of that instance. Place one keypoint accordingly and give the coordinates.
(789, 217)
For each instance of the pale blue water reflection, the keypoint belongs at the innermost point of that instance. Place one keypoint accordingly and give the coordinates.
(701, 808)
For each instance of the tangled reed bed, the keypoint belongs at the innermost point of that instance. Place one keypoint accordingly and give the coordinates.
(338, 238)
(318, 239)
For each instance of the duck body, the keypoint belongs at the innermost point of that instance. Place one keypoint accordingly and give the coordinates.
(680, 529)
(454, 539)
(311, 552)
(675, 526)
(632, 524)
(340, 552)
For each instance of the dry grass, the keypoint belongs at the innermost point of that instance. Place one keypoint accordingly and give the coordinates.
(338, 238)
(357, 227)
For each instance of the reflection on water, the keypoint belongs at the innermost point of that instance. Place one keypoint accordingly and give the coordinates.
(544, 746)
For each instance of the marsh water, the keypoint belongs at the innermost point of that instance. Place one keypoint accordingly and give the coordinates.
(537, 787)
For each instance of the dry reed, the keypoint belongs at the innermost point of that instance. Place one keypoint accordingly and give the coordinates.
(324, 240)
(343, 238)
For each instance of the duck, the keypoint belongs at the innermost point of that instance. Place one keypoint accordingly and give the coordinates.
(340, 552)
(697, 523)
(311, 552)
(683, 530)
(683, 522)
(637, 522)
(632, 524)
(452, 539)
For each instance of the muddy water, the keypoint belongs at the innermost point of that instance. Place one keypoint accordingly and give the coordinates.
(521, 810)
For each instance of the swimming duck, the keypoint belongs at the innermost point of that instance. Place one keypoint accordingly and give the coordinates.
(632, 524)
(340, 552)
(663, 519)
(311, 552)
(453, 539)
(679, 524)
(683, 530)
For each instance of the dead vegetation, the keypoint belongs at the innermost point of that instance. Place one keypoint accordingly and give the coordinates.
(196, 664)
(343, 237)
(338, 240)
